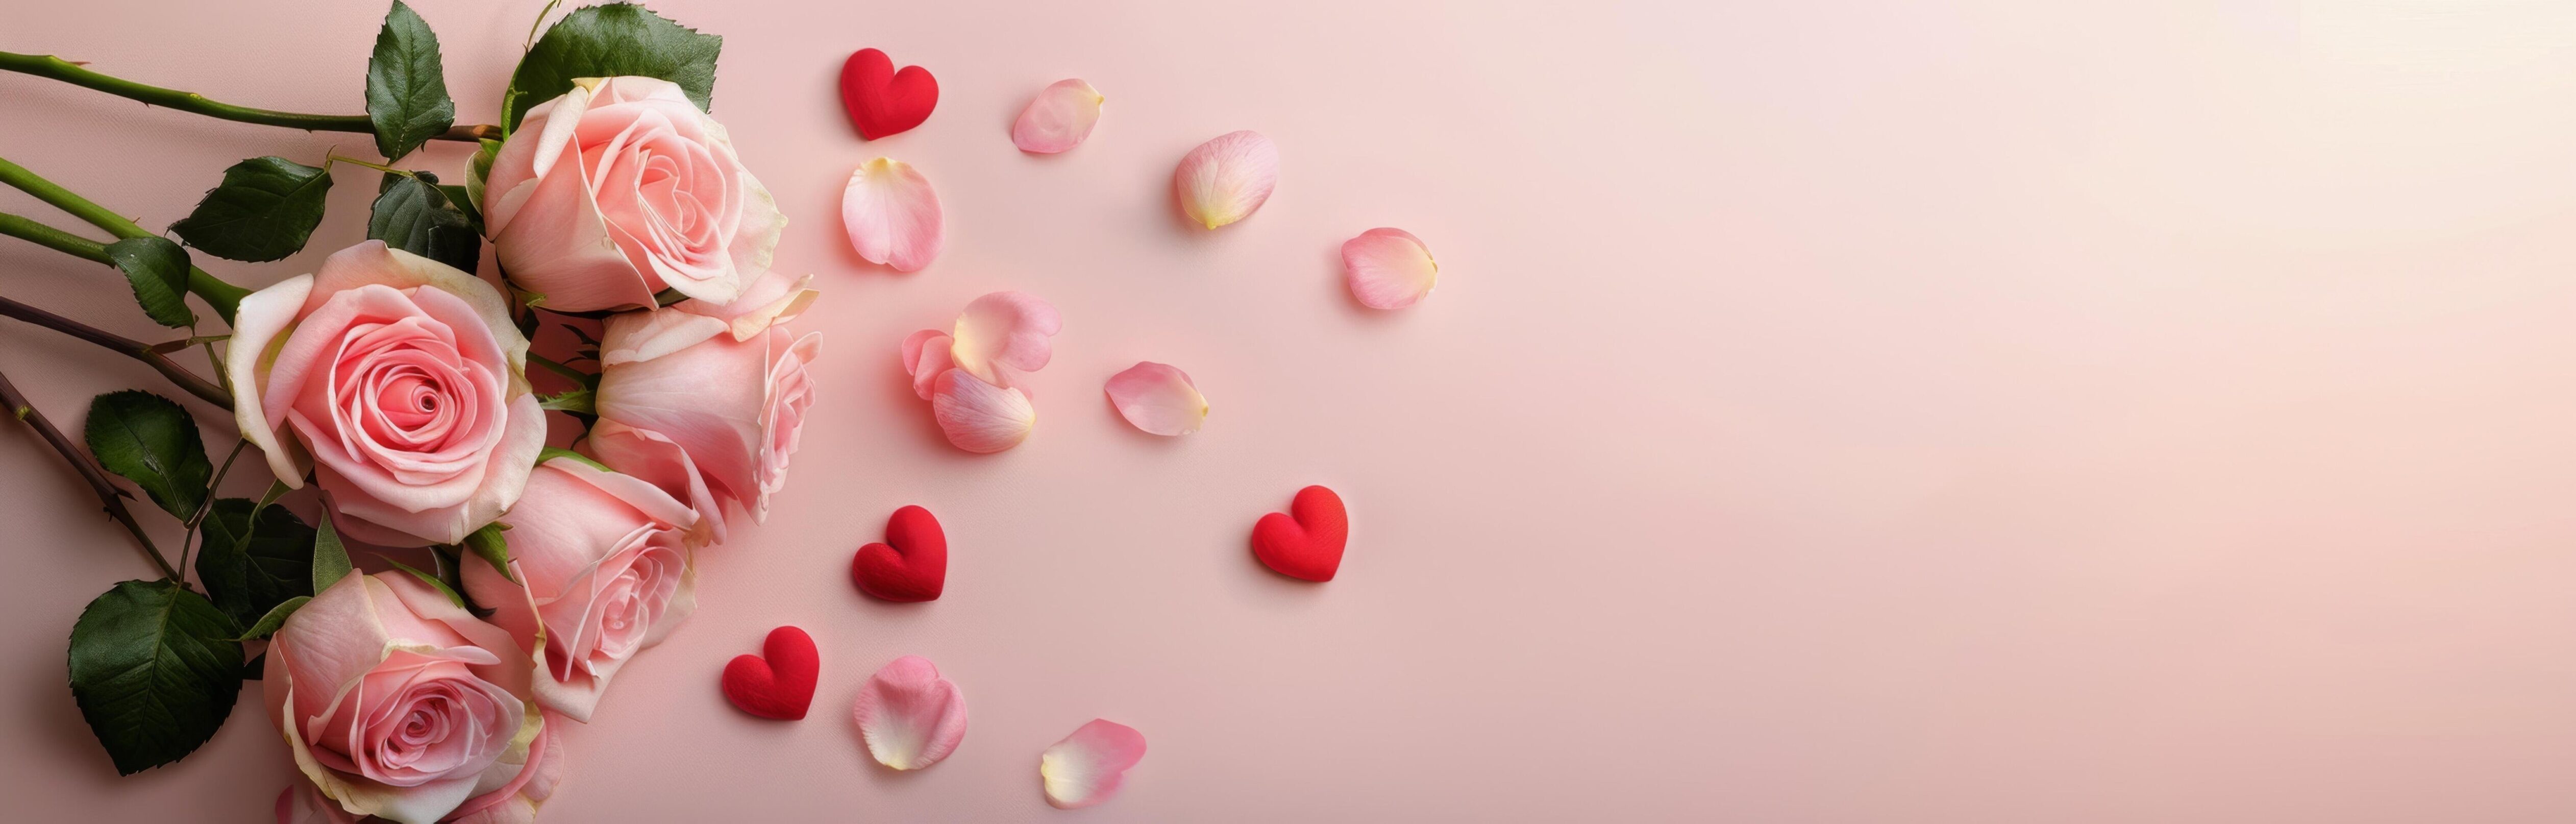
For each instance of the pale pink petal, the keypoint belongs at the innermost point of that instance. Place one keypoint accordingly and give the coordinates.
(771, 299)
(1058, 119)
(1389, 268)
(909, 716)
(1158, 399)
(926, 354)
(1002, 332)
(978, 416)
(892, 215)
(262, 319)
(1226, 179)
(1086, 767)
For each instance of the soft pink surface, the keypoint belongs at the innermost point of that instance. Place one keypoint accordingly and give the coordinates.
(1830, 411)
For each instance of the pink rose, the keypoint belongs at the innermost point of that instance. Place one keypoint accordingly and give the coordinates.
(401, 381)
(514, 803)
(398, 703)
(622, 188)
(706, 417)
(602, 562)
(517, 801)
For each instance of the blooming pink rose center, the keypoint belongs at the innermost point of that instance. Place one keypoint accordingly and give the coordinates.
(630, 591)
(670, 201)
(415, 720)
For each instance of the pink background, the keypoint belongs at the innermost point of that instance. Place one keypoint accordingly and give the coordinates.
(1830, 411)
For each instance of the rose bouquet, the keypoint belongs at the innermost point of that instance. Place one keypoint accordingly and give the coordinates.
(394, 382)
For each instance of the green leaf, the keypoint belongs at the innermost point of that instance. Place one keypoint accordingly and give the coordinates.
(476, 171)
(253, 557)
(464, 202)
(576, 401)
(272, 619)
(152, 442)
(414, 215)
(609, 41)
(487, 544)
(158, 271)
(276, 490)
(264, 210)
(330, 559)
(553, 452)
(155, 671)
(406, 86)
(432, 580)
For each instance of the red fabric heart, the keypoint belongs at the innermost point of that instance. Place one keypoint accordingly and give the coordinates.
(780, 686)
(883, 101)
(912, 564)
(1307, 541)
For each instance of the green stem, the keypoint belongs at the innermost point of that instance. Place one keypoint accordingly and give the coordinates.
(89, 471)
(224, 297)
(188, 544)
(56, 68)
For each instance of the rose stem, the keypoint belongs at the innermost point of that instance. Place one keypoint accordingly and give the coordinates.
(89, 471)
(129, 347)
(224, 297)
(49, 66)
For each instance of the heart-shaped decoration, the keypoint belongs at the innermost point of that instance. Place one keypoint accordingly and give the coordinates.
(912, 564)
(1306, 541)
(883, 101)
(781, 685)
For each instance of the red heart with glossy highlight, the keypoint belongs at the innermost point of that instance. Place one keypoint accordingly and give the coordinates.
(883, 101)
(912, 564)
(1305, 542)
(780, 685)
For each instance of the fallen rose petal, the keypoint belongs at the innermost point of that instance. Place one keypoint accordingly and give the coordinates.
(892, 215)
(925, 355)
(1059, 119)
(1086, 767)
(1226, 179)
(1389, 268)
(1158, 399)
(1005, 331)
(980, 417)
(909, 716)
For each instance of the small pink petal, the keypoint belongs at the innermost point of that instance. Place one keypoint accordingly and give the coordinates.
(1005, 331)
(1389, 268)
(1086, 767)
(892, 215)
(1226, 179)
(980, 417)
(1059, 119)
(909, 716)
(1158, 399)
(925, 355)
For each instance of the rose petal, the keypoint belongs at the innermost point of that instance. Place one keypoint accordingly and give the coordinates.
(1059, 119)
(1226, 179)
(1389, 268)
(926, 354)
(892, 215)
(1158, 399)
(1005, 331)
(978, 416)
(909, 716)
(1086, 767)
